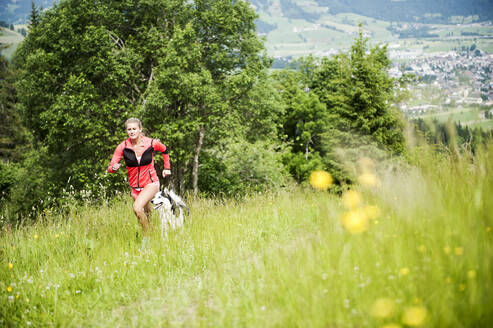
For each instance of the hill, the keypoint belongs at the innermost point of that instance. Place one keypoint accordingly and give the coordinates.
(426, 11)
(9, 39)
(296, 28)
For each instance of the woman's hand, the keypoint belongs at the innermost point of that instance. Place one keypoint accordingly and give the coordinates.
(166, 173)
(115, 167)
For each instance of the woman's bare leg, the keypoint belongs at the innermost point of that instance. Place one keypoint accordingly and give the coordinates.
(140, 204)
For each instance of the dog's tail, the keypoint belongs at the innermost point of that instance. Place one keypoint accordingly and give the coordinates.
(176, 200)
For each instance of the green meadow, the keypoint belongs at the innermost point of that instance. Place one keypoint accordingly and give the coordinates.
(471, 116)
(277, 259)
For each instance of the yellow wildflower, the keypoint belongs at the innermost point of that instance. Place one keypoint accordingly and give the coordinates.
(355, 221)
(366, 164)
(448, 280)
(488, 229)
(391, 325)
(471, 274)
(57, 235)
(458, 251)
(10, 266)
(404, 271)
(446, 250)
(35, 236)
(27, 300)
(371, 211)
(422, 248)
(368, 180)
(414, 316)
(351, 199)
(383, 308)
(320, 180)
(9, 289)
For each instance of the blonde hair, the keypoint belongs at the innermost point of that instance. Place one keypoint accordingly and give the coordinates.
(133, 120)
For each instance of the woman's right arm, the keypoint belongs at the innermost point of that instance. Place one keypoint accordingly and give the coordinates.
(117, 156)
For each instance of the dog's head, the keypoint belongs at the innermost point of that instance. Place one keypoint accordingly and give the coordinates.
(161, 198)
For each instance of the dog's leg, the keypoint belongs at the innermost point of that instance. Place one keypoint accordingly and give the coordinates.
(162, 217)
(180, 217)
(162, 225)
(169, 223)
(172, 220)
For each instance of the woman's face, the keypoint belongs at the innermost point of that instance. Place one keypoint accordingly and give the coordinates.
(133, 130)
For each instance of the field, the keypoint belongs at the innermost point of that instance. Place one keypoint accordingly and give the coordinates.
(411, 245)
(471, 116)
(299, 37)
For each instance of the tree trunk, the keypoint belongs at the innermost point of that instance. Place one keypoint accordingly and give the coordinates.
(195, 169)
(181, 178)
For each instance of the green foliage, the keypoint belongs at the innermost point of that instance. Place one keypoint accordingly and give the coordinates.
(451, 136)
(181, 67)
(195, 73)
(304, 120)
(338, 104)
(34, 16)
(13, 135)
(8, 179)
(240, 167)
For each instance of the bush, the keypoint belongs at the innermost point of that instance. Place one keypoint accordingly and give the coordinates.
(9, 175)
(240, 167)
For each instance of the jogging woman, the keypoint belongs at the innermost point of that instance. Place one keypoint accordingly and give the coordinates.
(138, 153)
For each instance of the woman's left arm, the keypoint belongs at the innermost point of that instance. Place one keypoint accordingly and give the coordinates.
(164, 150)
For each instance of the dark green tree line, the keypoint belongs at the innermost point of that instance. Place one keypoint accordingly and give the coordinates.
(13, 136)
(452, 135)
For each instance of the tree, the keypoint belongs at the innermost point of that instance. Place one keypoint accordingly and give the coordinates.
(13, 135)
(358, 91)
(34, 16)
(344, 111)
(179, 65)
(304, 121)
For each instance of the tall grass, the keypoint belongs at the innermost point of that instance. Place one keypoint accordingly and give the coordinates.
(272, 260)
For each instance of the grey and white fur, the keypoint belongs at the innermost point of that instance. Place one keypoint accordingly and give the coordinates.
(171, 209)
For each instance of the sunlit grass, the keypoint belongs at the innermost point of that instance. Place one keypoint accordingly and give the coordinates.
(272, 260)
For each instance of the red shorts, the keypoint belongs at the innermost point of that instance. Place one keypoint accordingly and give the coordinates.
(136, 191)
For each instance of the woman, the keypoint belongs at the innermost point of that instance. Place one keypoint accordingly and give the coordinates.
(138, 152)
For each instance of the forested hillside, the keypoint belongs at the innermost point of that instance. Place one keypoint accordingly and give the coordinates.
(17, 11)
(389, 10)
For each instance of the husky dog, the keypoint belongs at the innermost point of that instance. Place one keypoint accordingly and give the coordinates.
(171, 209)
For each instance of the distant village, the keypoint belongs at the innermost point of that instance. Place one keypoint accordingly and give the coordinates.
(456, 78)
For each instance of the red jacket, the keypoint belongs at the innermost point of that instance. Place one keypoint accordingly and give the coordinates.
(140, 173)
